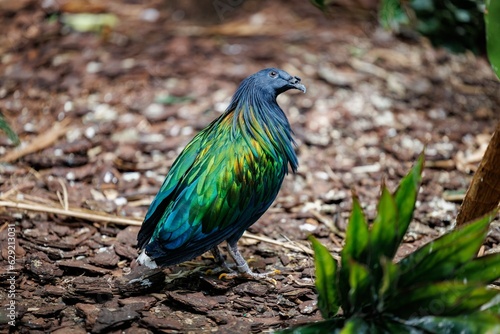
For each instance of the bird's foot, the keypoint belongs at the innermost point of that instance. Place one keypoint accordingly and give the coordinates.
(245, 272)
(223, 265)
(224, 268)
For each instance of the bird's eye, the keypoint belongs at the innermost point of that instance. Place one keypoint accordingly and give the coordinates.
(273, 74)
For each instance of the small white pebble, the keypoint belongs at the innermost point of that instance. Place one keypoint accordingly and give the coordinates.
(187, 130)
(90, 132)
(93, 67)
(150, 15)
(131, 176)
(68, 106)
(308, 227)
(29, 127)
(221, 106)
(121, 201)
(128, 63)
(108, 177)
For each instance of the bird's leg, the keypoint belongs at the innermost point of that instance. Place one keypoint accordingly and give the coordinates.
(219, 260)
(242, 266)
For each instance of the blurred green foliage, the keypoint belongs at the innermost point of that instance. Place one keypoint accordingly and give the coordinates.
(5, 127)
(492, 20)
(457, 25)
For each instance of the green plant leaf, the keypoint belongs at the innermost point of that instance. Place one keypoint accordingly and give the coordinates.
(492, 23)
(5, 127)
(326, 275)
(389, 281)
(484, 270)
(493, 306)
(448, 298)
(423, 5)
(355, 248)
(405, 198)
(360, 282)
(474, 323)
(321, 4)
(394, 325)
(383, 234)
(331, 326)
(439, 259)
(391, 15)
(357, 235)
(356, 325)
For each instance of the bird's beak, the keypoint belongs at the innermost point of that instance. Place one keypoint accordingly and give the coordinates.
(295, 83)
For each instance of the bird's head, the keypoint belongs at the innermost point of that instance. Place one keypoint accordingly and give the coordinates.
(274, 81)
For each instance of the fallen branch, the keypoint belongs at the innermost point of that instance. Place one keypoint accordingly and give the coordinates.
(72, 213)
(278, 243)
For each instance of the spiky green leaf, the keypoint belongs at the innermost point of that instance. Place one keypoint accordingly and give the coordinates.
(321, 4)
(493, 306)
(331, 326)
(469, 324)
(357, 235)
(5, 127)
(450, 298)
(391, 14)
(394, 325)
(405, 198)
(484, 270)
(439, 259)
(383, 235)
(356, 325)
(492, 24)
(326, 276)
(389, 281)
(360, 282)
(355, 248)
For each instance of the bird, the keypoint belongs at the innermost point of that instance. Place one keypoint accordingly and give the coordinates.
(224, 180)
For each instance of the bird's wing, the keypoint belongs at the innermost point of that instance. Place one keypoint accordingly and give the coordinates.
(179, 168)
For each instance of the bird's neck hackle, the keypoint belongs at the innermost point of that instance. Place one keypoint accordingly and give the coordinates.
(257, 115)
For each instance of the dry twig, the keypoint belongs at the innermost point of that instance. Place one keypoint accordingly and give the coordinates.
(71, 213)
(44, 140)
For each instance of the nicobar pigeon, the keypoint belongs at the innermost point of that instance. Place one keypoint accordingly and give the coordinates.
(225, 178)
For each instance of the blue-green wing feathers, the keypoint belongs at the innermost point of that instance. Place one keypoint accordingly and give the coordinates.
(217, 188)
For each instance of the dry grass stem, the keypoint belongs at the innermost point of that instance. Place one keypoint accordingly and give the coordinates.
(44, 140)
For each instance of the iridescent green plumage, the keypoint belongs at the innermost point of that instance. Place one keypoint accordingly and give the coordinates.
(225, 178)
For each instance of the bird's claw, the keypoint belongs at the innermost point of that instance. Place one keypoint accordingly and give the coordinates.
(220, 270)
(251, 275)
(224, 268)
(228, 276)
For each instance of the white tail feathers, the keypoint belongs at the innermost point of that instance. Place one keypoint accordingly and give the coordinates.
(145, 260)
